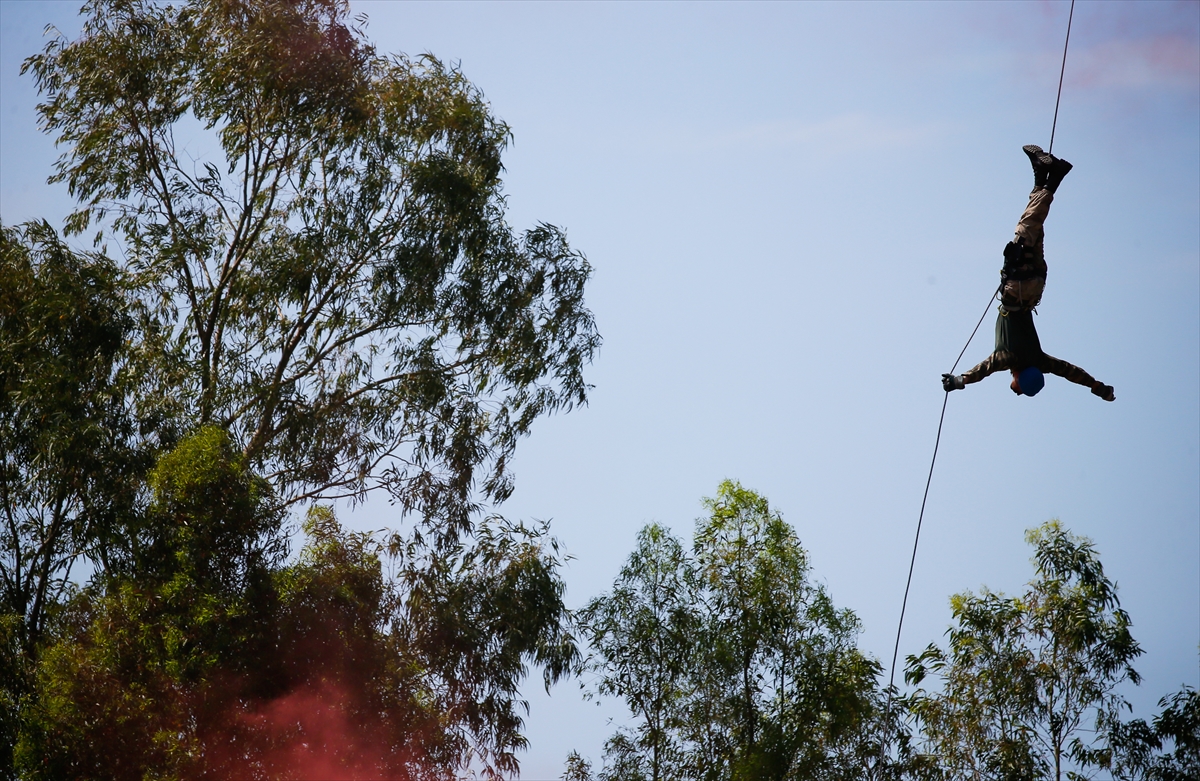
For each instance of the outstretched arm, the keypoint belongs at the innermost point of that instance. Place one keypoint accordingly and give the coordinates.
(997, 361)
(1069, 371)
(992, 364)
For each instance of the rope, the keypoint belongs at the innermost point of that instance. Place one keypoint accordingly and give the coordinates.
(1060, 78)
(942, 418)
(920, 518)
(972, 336)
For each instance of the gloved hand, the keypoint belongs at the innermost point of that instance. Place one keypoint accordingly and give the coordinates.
(953, 382)
(1104, 391)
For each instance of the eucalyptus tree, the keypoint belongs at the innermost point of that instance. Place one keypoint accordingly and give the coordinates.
(1026, 679)
(643, 635)
(735, 663)
(781, 674)
(211, 660)
(310, 255)
(135, 664)
(1165, 749)
(321, 230)
(62, 329)
(576, 768)
(67, 440)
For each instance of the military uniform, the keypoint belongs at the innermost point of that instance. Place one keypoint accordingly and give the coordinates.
(1018, 347)
(1022, 281)
(1023, 277)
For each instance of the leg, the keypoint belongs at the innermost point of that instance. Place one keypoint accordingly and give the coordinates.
(1024, 276)
(1029, 227)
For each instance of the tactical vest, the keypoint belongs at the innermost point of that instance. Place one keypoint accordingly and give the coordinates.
(1023, 277)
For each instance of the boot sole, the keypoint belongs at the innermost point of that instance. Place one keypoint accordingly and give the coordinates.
(1037, 156)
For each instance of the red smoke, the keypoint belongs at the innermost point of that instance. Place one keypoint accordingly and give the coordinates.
(310, 734)
(312, 739)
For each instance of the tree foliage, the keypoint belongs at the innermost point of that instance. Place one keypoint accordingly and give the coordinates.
(736, 666)
(1166, 749)
(1023, 675)
(304, 288)
(787, 682)
(335, 267)
(643, 634)
(68, 442)
(63, 419)
(216, 662)
(136, 660)
(735, 663)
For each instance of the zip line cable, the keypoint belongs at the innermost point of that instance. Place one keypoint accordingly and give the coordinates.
(1061, 72)
(942, 418)
(920, 518)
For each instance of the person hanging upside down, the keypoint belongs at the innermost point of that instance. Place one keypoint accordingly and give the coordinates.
(1022, 281)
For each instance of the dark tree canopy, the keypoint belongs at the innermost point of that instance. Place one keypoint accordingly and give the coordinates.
(304, 288)
(1166, 749)
(64, 427)
(213, 658)
(735, 665)
(321, 230)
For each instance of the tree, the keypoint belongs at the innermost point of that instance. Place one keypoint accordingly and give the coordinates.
(473, 619)
(784, 678)
(212, 661)
(139, 660)
(1139, 751)
(643, 638)
(576, 768)
(62, 414)
(337, 275)
(1022, 674)
(737, 665)
(314, 283)
(67, 446)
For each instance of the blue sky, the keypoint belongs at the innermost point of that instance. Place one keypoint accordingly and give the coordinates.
(796, 213)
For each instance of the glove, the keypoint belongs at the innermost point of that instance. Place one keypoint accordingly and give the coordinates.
(954, 382)
(1104, 391)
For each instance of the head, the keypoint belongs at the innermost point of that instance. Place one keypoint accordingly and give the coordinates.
(1027, 381)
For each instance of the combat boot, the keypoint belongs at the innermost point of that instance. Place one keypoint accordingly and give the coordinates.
(1042, 163)
(1059, 168)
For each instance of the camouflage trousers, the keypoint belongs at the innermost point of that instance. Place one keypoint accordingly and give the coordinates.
(1026, 293)
(1029, 227)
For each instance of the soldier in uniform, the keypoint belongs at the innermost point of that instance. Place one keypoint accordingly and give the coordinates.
(1022, 280)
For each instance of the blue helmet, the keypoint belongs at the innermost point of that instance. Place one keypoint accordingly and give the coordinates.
(1031, 380)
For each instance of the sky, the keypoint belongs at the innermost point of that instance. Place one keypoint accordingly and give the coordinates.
(795, 213)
